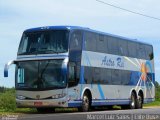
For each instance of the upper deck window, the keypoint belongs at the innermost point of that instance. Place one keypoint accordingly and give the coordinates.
(44, 42)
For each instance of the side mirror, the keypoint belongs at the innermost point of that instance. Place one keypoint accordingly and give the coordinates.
(6, 67)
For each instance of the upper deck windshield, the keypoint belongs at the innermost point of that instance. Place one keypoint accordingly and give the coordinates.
(44, 42)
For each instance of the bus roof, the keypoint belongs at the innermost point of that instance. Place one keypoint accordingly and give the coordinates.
(81, 28)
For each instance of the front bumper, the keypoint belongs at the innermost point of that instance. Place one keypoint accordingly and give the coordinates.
(61, 102)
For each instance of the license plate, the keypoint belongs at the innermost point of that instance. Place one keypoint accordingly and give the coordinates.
(38, 103)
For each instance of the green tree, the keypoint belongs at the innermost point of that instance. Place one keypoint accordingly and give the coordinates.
(157, 91)
(156, 84)
(2, 89)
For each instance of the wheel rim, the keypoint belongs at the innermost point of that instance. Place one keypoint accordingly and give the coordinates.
(140, 101)
(85, 103)
(132, 102)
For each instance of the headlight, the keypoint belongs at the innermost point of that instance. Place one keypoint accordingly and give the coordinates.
(58, 96)
(20, 97)
(55, 96)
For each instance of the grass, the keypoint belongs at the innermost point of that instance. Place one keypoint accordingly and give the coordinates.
(33, 111)
(18, 111)
(155, 103)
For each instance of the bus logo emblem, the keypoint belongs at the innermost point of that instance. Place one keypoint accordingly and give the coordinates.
(38, 96)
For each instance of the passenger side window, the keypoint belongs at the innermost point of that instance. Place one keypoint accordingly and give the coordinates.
(149, 52)
(102, 44)
(97, 75)
(116, 77)
(132, 49)
(88, 75)
(113, 45)
(125, 75)
(72, 75)
(106, 76)
(141, 51)
(90, 41)
(123, 47)
(75, 46)
(76, 40)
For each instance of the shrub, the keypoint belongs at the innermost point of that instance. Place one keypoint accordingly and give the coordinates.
(7, 101)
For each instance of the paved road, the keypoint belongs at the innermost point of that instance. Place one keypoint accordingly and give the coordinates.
(137, 114)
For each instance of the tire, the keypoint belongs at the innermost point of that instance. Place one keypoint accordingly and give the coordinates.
(85, 104)
(139, 104)
(133, 102)
(45, 110)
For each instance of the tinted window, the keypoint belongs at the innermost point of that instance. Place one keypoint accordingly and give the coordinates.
(97, 75)
(90, 41)
(44, 42)
(106, 76)
(76, 40)
(123, 47)
(132, 49)
(116, 77)
(149, 52)
(75, 46)
(88, 75)
(40, 75)
(73, 81)
(102, 44)
(113, 45)
(125, 77)
(141, 51)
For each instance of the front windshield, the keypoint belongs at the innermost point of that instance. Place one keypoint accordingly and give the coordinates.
(40, 75)
(44, 42)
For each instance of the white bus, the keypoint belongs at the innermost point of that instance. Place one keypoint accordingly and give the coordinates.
(69, 66)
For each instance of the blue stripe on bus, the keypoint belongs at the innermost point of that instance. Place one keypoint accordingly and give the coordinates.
(148, 63)
(111, 99)
(99, 103)
(75, 104)
(103, 102)
(82, 79)
(94, 103)
(82, 76)
(101, 91)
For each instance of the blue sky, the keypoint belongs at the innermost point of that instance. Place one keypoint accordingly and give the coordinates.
(18, 15)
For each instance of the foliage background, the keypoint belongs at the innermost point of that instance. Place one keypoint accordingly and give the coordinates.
(8, 100)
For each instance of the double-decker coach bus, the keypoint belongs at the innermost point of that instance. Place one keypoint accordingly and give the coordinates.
(69, 66)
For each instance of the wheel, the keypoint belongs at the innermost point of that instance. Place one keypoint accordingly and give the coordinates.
(85, 104)
(132, 104)
(139, 104)
(45, 110)
(133, 101)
